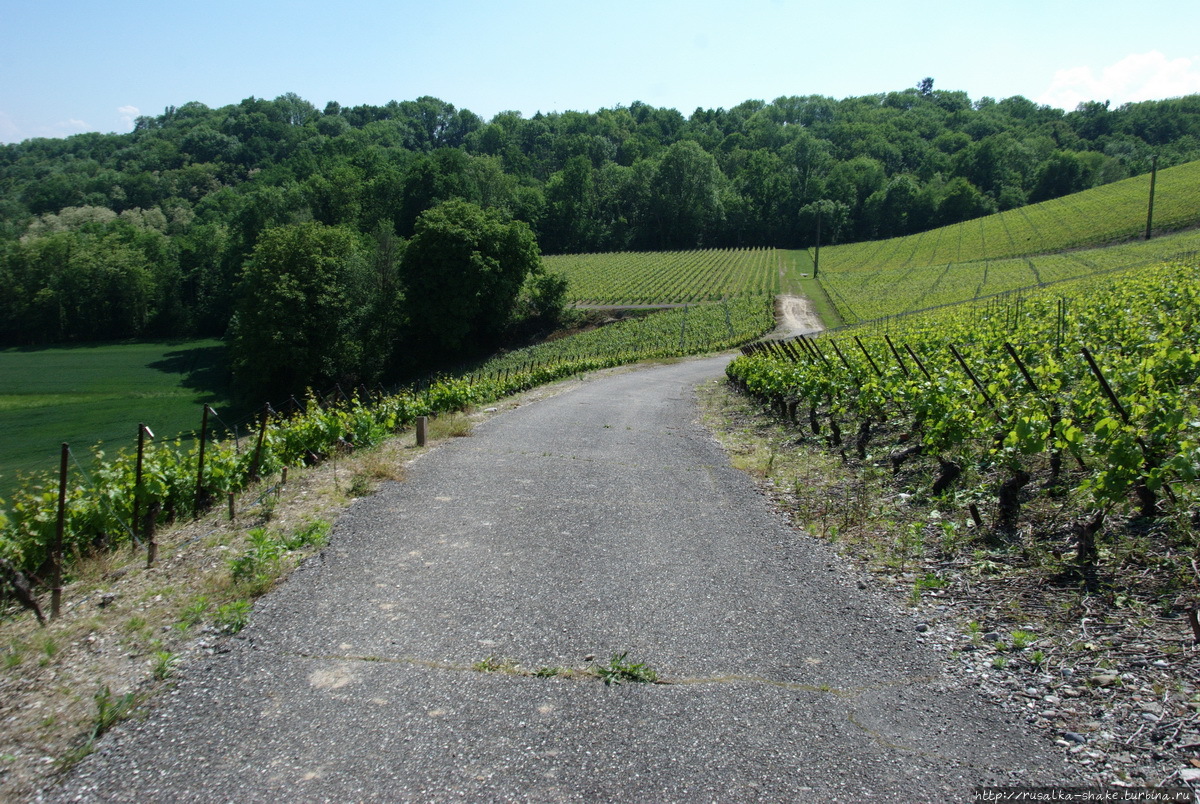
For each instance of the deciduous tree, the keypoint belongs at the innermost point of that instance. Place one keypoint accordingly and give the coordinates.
(462, 271)
(299, 310)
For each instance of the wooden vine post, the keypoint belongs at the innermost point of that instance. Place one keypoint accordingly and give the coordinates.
(867, 354)
(896, 353)
(262, 436)
(817, 250)
(917, 360)
(60, 527)
(143, 431)
(978, 385)
(1153, 177)
(150, 533)
(1146, 497)
(200, 495)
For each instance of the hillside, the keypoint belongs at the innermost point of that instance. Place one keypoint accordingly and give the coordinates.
(633, 278)
(1049, 242)
(1111, 213)
(1084, 233)
(866, 295)
(149, 232)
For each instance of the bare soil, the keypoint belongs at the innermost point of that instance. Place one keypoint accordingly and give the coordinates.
(795, 316)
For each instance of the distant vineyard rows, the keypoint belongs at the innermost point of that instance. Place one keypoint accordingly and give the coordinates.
(669, 277)
(684, 330)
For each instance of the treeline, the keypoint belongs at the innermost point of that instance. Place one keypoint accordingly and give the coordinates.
(153, 232)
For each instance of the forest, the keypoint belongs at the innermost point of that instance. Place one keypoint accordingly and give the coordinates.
(323, 237)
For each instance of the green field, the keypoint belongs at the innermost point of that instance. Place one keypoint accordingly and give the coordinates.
(87, 394)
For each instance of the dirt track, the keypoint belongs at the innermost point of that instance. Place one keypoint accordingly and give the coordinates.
(795, 316)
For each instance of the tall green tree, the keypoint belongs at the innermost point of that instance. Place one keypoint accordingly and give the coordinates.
(685, 200)
(463, 271)
(962, 201)
(569, 223)
(299, 311)
(1062, 174)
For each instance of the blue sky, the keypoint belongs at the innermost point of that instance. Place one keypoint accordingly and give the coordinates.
(68, 65)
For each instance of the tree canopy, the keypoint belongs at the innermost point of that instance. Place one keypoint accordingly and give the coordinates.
(165, 230)
(463, 271)
(300, 309)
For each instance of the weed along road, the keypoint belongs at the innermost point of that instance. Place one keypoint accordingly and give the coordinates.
(451, 642)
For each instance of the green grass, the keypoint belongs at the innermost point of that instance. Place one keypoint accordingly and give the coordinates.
(99, 393)
(795, 270)
(797, 279)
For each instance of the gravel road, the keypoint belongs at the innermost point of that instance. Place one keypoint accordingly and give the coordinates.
(602, 520)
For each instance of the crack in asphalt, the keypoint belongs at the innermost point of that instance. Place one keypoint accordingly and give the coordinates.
(587, 674)
(518, 670)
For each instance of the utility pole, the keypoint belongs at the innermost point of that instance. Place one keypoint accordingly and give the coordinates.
(1153, 177)
(817, 251)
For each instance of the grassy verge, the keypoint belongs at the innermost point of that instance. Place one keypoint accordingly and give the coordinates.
(126, 630)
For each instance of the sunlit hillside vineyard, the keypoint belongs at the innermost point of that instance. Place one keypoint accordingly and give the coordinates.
(866, 295)
(1025, 247)
(1105, 214)
(631, 278)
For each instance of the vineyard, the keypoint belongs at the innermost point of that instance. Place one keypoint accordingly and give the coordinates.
(866, 295)
(632, 278)
(1105, 214)
(119, 499)
(668, 333)
(1078, 400)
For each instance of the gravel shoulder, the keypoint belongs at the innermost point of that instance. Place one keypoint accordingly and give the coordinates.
(599, 522)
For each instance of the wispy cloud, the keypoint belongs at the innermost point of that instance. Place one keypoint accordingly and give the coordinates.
(16, 130)
(128, 115)
(9, 131)
(65, 128)
(1138, 77)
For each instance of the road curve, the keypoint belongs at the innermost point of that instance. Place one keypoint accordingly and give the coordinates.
(602, 520)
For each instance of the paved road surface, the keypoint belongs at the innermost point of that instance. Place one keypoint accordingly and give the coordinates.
(600, 520)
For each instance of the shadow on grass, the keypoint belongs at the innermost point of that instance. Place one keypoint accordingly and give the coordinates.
(204, 369)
